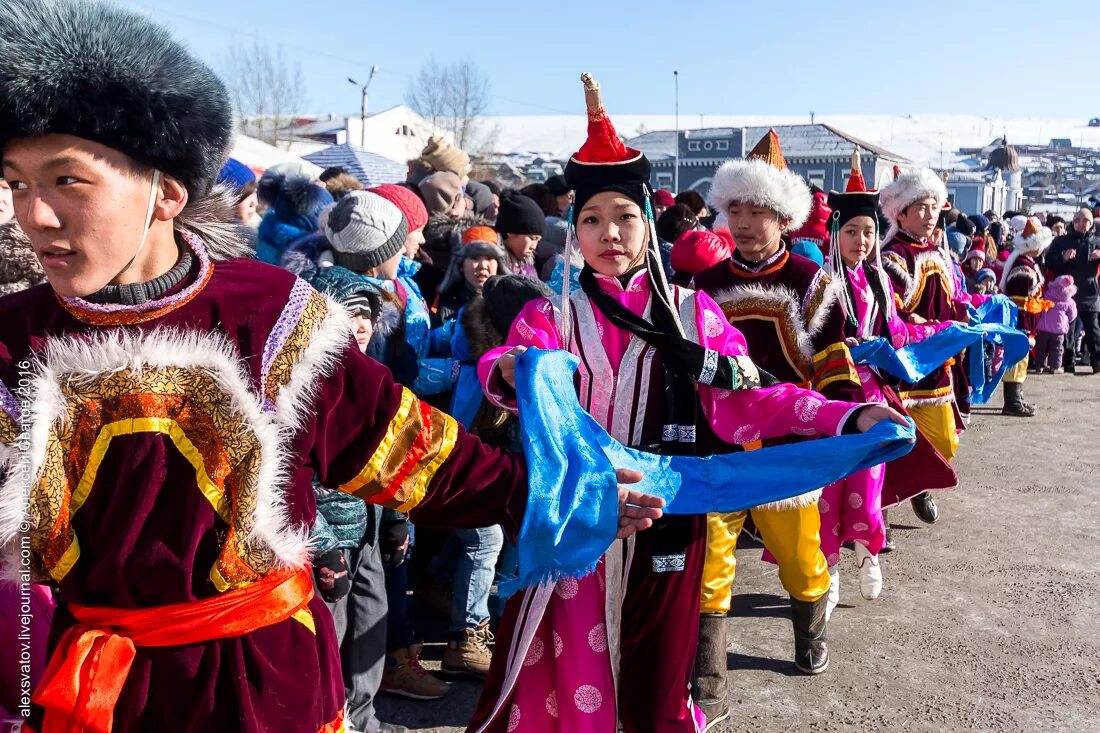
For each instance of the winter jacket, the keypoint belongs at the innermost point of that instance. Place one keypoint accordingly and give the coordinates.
(1080, 268)
(274, 236)
(1059, 319)
(19, 268)
(431, 346)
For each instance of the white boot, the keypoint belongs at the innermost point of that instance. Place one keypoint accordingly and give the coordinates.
(870, 574)
(834, 591)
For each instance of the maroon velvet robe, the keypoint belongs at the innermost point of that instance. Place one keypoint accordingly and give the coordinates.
(174, 446)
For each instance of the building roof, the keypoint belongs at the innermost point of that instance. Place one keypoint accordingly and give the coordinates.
(370, 168)
(798, 141)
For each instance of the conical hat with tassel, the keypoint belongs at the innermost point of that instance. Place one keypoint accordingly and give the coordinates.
(763, 179)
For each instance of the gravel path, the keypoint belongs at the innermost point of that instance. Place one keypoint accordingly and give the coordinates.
(989, 620)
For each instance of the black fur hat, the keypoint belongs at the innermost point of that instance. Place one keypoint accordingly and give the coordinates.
(108, 74)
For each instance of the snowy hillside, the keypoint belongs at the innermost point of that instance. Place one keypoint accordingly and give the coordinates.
(920, 138)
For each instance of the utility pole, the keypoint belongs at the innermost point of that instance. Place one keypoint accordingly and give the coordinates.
(363, 110)
(676, 170)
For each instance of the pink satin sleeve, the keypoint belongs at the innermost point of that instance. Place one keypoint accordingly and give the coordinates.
(535, 327)
(746, 415)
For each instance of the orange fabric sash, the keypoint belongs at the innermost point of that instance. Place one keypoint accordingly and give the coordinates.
(88, 668)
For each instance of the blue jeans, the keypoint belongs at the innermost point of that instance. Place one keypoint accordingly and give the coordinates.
(473, 555)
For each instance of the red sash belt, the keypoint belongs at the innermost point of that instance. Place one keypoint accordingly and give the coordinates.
(88, 668)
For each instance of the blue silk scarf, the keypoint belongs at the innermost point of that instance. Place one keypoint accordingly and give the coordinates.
(994, 321)
(572, 505)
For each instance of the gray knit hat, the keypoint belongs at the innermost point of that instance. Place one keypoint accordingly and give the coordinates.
(365, 230)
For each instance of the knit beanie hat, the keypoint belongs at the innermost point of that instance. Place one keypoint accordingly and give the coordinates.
(809, 249)
(557, 185)
(416, 216)
(365, 230)
(440, 191)
(963, 225)
(505, 296)
(442, 156)
(698, 250)
(985, 274)
(482, 197)
(236, 174)
(664, 198)
(520, 214)
(299, 203)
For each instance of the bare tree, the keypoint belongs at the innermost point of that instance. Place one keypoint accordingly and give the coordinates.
(267, 87)
(453, 97)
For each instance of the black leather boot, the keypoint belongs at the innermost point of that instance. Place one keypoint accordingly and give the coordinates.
(890, 545)
(1014, 402)
(811, 655)
(924, 506)
(711, 693)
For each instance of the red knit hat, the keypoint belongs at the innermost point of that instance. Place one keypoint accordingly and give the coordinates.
(661, 197)
(410, 204)
(816, 227)
(698, 250)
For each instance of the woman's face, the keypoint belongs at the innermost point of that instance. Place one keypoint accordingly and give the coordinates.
(413, 241)
(477, 270)
(612, 234)
(522, 246)
(246, 210)
(857, 239)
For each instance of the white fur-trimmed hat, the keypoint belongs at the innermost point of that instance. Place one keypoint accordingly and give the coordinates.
(764, 180)
(910, 187)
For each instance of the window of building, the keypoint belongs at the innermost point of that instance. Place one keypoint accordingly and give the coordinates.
(723, 144)
(816, 178)
(693, 146)
(664, 180)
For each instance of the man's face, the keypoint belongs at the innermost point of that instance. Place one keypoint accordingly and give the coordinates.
(756, 230)
(82, 205)
(920, 217)
(1082, 221)
(1058, 229)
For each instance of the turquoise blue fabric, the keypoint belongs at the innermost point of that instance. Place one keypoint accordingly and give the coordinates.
(572, 505)
(432, 347)
(993, 321)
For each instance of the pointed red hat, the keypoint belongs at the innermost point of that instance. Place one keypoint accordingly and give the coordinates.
(604, 163)
(856, 183)
(603, 145)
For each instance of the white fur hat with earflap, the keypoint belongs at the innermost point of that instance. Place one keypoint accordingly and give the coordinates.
(909, 187)
(762, 179)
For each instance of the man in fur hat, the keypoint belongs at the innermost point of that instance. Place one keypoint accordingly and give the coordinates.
(787, 307)
(925, 289)
(164, 407)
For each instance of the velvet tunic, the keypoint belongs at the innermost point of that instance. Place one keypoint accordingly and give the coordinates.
(172, 448)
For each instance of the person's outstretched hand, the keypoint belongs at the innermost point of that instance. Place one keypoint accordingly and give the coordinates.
(871, 416)
(636, 510)
(507, 365)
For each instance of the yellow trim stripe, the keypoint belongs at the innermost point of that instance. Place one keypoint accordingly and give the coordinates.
(449, 428)
(373, 467)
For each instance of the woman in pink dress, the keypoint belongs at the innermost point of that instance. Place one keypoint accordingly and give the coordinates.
(614, 650)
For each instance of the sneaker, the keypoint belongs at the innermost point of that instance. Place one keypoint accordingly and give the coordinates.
(870, 574)
(834, 591)
(1059, 370)
(404, 676)
(468, 652)
(436, 596)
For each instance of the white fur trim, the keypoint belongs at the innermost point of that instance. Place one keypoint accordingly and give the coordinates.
(895, 263)
(913, 281)
(910, 187)
(73, 360)
(783, 297)
(832, 288)
(795, 502)
(757, 182)
(317, 362)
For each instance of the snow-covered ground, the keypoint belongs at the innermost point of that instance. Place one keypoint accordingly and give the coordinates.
(920, 138)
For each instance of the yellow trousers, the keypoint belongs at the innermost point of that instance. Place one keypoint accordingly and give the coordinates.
(791, 535)
(937, 423)
(1017, 373)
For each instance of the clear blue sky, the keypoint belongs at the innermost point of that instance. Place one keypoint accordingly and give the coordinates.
(1010, 58)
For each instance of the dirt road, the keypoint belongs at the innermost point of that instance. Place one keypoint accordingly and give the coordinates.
(989, 620)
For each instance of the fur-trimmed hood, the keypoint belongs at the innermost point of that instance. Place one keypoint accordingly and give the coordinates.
(910, 187)
(762, 184)
(19, 267)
